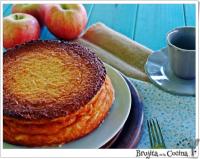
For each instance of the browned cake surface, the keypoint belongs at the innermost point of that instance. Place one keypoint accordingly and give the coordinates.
(49, 79)
(63, 129)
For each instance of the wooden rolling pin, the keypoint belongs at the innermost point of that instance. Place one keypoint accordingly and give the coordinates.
(117, 50)
(114, 61)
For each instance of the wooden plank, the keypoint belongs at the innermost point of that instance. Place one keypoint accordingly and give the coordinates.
(154, 21)
(45, 34)
(7, 9)
(119, 17)
(189, 10)
(88, 8)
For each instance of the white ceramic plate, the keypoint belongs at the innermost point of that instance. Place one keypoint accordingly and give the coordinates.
(112, 123)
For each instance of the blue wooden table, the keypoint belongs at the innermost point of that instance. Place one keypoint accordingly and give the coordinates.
(148, 25)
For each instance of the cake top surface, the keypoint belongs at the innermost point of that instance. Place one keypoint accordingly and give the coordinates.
(49, 79)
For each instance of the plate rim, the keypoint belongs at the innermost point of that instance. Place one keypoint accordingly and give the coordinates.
(137, 106)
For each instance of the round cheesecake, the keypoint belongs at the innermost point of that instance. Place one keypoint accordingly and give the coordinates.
(53, 92)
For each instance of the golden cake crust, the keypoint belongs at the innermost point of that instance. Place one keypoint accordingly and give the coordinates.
(49, 79)
(63, 129)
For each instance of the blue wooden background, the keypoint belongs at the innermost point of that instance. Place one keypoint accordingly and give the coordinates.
(144, 23)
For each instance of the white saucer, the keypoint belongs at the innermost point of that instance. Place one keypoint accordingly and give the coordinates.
(159, 72)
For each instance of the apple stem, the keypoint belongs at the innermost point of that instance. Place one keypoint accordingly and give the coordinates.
(18, 17)
(63, 6)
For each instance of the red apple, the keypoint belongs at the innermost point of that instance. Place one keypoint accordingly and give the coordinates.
(66, 21)
(36, 10)
(19, 28)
